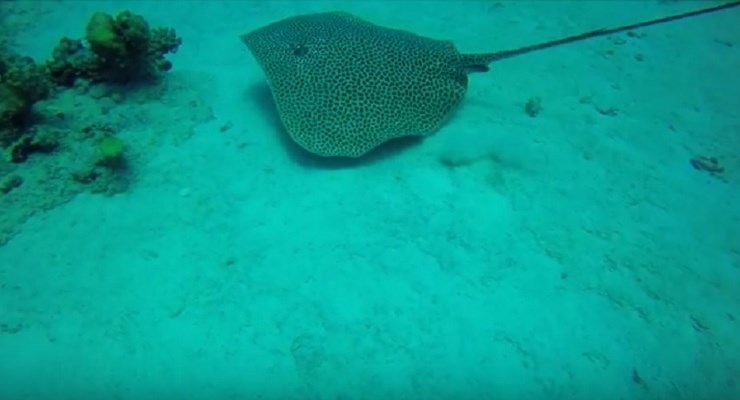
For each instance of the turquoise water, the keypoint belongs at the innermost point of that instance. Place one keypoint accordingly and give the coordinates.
(588, 250)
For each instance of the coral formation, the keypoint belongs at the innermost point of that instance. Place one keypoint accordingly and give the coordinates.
(22, 83)
(104, 169)
(120, 49)
(69, 124)
(32, 141)
(9, 183)
(110, 152)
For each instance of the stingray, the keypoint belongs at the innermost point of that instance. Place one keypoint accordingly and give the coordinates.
(343, 86)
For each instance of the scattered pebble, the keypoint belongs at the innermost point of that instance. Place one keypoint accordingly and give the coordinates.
(708, 164)
(226, 127)
(533, 106)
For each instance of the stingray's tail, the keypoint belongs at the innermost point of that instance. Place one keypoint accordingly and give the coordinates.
(479, 62)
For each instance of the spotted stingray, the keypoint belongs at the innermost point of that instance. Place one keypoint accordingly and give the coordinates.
(344, 86)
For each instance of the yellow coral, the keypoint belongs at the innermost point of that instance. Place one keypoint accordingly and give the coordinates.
(102, 36)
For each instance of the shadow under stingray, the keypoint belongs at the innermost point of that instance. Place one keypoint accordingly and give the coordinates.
(261, 95)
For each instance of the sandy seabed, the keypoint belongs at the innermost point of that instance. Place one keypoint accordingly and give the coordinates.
(576, 254)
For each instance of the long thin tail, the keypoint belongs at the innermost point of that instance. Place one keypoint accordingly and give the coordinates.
(479, 62)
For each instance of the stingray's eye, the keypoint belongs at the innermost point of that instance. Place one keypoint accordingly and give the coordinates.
(300, 50)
